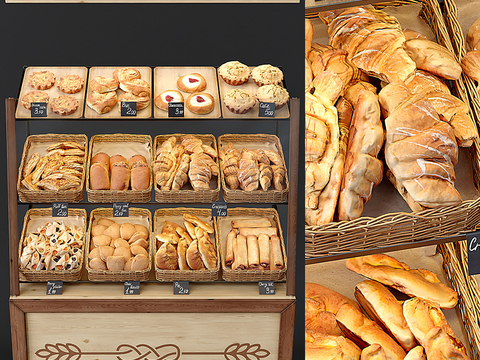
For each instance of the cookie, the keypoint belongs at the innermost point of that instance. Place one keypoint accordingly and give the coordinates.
(102, 103)
(70, 84)
(200, 103)
(41, 80)
(64, 105)
(191, 83)
(162, 99)
(34, 97)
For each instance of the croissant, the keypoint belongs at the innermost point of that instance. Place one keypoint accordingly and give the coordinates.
(266, 176)
(248, 174)
(192, 144)
(230, 156)
(180, 177)
(278, 176)
(199, 173)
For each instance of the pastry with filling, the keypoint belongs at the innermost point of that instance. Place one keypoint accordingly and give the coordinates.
(70, 84)
(191, 83)
(34, 97)
(200, 103)
(168, 96)
(41, 80)
(102, 103)
(64, 105)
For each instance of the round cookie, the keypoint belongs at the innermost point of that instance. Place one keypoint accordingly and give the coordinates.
(70, 84)
(102, 103)
(126, 74)
(162, 99)
(191, 83)
(273, 94)
(234, 73)
(102, 84)
(64, 105)
(266, 75)
(142, 101)
(200, 103)
(41, 80)
(34, 97)
(239, 101)
(137, 87)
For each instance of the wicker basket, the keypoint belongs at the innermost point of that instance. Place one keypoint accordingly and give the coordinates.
(250, 275)
(109, 196)
(186, 275)
(399, 228)
(118, 276)
(47, 196)
(186, 194)
(259, 141)
(41, 275)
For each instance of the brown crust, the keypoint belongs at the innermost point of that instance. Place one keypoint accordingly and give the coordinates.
(70, 84)
(196, 86)
(34, 96)
(41, 80)
(102, 103)
(200, 109)
(64, 105)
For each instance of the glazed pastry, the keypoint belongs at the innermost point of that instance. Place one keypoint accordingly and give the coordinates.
(267, 75)
(142, 101)
(200, 103)
(126, 74)
(273, 93)
(191, 83)
(64, 105)
(239, 101)
(34, 97)
(138, 87)
(234, 73)
(102, 103)
(162, 100)
(41, 80)
(102, 84)
(70, 84)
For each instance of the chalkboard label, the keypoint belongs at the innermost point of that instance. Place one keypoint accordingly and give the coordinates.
(38, 109)
(60, 209)
(266, 109)
(128, 108)
(120, 209)
(473, 248)
(181, 288)
(54, 287)
(131, 288)
(219, 209)
(176, 109)
(266, 287)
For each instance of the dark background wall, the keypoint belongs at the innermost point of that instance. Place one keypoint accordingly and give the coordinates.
(145, 35)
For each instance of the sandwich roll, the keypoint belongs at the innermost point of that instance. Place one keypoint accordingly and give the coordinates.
(253, 253)
(128, 265)
(139, 262)
(99, 177)
(373, 352)
(241, 254)
(182, 254)
(277, 254)
(97, 264)
(127, 230)
(270, 231)
(441, 346)
(113, 231)
(329, 347)
(105, 221)
(207, 252)
(190, 229)
(120, 176)
(166, 257)
(94, 254)
(141, 242)
(200, 223)
(98, 230)
(229, 248)
(251, 223)
(115, 263)
(194, 259)
(105, 252)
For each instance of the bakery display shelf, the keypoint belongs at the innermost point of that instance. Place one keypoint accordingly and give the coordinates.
(312, 7)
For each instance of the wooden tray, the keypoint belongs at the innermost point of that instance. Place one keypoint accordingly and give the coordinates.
(53, 92)
(283, 113)
(165, 78)
(107, 71)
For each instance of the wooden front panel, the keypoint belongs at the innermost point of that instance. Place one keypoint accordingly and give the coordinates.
(125, 336)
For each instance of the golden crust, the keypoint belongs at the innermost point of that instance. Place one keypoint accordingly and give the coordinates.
(70, 84)
(200, 103)
(142, 101)
(41, 80)
(191, 83)
(34, 97)
(102, 103)
(64, 105)
(102, 84)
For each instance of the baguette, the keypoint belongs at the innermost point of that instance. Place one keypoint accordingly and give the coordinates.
(270, 231)
(200, 223)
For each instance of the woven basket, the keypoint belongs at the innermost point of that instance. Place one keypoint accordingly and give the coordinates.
(47, 196)
(186, 275)
(251, 275)
(46, 275)
(257, 196)
(109, 196)
(118, 276)
(187, 194)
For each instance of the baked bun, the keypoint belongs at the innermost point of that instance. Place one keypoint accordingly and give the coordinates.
(97, 264)
(162, 99)
(322, 346)
(142, 101)
(126, 74)
(194, 259)
(115, 263)
(102, 103)
(99, 178)
(139, 262)
(191, 83)
(234, 73)
(104, 158)
(138, 87)
(441, 346)
(102, 84)
(416, 353)
(373, 352)
(120, 176)
(166, 257)
(200, 103)
(139, 175)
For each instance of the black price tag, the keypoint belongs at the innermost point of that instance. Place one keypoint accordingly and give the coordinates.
(219, 209)
(266, 287)
(473, 246)
(266, 109)
(131, 288)
(120, 209)
(60, 209)
(54, 287)
(176, 109)
(128, 108)
(38, 109)
(181, 288)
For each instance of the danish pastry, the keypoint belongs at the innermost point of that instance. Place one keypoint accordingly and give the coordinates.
(137, 87)
(200, 103)
(102, 84)
(191, 83)
(126, 74)
(142, 101)
(168, 96)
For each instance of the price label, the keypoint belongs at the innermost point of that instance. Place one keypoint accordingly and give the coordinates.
(131, 288)
(181, 288)
(473, 248)
(120, 209)
(219, 209)
(54, 287)
(60, 209)
(38, 109)
(176, 109)
(266, 109)
(266, 288)
(128, 108)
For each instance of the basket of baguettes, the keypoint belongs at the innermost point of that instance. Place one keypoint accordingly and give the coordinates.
(252, 168)
(185, 168)
(420, 138)
(52, 168)
(51, 248)
(186, 246)
(252, 245)
(400, 313)
(119, 168)
(119, 248)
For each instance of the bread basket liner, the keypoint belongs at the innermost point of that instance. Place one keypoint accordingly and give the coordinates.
(35, 218)
(224, 227)
(126, 145)
(186, 194)
(393, 228)
(39, 143)
(176, 215)
(253, 141)
(136, 216)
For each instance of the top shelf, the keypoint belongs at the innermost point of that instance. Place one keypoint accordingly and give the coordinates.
(312, 6)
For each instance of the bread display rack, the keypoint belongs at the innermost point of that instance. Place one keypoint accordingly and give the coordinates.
(217, 302)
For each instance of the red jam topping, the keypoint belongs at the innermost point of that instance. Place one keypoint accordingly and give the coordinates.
(168, 98)
(200, 99)
(192, 80)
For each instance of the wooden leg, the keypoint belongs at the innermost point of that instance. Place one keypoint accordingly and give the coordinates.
(19, 337)
(285, 344)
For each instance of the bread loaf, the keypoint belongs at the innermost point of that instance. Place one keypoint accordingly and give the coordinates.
(321, 347)
(373, 352)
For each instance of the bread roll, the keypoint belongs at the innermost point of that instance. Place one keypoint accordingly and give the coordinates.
(416, 354)
(441, 346)
(120, 243)
(322, 347)
(140, 228)
(101, 240)
(194, 259)
(252, 223)
(137, 249)
(207, 252)
(98, 230)
(166, 257)
(122, 251)
(105, 252)
(139, 262)
(94, 254)
(127, 230)
(97, 264)
(196, 221)
(141, 242)
(120, 176)
(113, 231)
(105, 221)
(140, 176)
(182, 254)
(99, 178)
(115, 263)
(101, 157)
(373, 352)
(128, 265)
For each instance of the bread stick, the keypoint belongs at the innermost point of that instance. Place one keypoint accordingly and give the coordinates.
(253, 253)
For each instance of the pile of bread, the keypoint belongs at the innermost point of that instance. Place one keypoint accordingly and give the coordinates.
(118, 247)
(189, 248)
(254, 244)
(252, 168)
(178, 162)
(116, 173)
(471, 60)
(414, 329)
(59, 170)
(424, 124)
